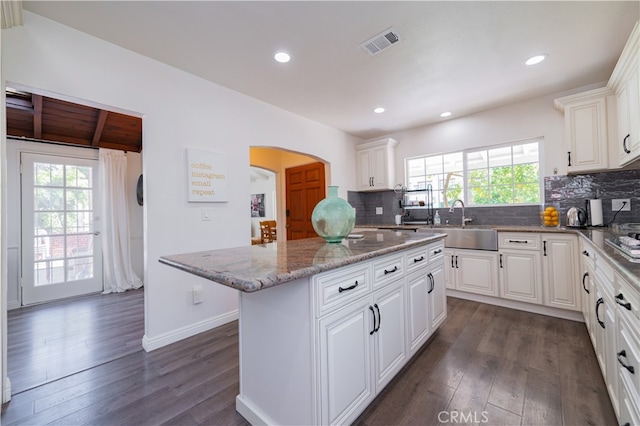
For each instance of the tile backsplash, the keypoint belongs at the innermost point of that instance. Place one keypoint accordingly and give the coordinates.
(566, 191)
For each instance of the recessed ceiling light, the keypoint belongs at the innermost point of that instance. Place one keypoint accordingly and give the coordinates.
(282, 57)
(378, 110)
(535, 59)
(445, 114)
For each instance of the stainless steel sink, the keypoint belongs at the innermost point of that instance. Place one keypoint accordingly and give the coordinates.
(468, 238)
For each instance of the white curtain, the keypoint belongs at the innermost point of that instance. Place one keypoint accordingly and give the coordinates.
(116, 247)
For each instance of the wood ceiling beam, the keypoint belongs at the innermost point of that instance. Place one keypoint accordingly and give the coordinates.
(37, 116)
(102, 118)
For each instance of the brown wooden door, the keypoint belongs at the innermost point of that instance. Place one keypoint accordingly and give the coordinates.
(305, 188)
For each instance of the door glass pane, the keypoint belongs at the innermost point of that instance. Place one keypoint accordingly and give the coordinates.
(63, 203)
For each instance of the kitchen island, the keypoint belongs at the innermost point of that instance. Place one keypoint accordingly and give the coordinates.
(324, 327)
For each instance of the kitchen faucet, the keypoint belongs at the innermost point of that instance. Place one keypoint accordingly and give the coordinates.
(464, 219)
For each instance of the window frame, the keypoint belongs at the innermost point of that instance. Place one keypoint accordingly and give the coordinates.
(466, 170)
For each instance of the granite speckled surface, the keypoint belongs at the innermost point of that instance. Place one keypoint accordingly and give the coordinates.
(257, 267)
(597, 236)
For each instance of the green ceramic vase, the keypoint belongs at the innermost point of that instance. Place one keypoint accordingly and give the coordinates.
(333, 218)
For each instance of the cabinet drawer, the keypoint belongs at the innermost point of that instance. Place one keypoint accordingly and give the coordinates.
(629, 410)
(628, 300)
(628, 354)
(522, 241)
(387, 269)
(436, 251)
(336, 288)
(417, 258)
(587, 253)
(605, 277)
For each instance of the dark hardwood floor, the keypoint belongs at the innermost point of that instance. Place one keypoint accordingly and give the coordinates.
(53, 340)
(505, 366)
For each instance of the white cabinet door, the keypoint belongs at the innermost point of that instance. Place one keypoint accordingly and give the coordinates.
(418, 286)
(599, 328)
(521, 275)
(610, 347)
(437, 296)
(476, 271)
(586, 287)
(365, 182)
(560, 271)
(628, 108)
(375, 165)
(346, 382)
(449, 269)
(390, 345)
(586, 135)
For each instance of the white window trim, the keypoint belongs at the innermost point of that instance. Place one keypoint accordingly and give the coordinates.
(465, 170)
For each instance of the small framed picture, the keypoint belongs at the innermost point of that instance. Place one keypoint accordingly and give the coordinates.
(257, 205)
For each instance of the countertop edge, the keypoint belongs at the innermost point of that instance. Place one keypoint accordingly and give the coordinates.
(261, 283)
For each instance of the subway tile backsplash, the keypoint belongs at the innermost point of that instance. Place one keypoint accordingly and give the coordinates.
(565, 191)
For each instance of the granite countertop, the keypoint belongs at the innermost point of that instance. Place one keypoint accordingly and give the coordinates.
(597, 236)
(256, 267)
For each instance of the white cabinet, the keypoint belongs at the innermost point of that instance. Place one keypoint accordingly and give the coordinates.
(520, 267)
(362, 348)
(587, 287)
(560, 271)
(346, 382)
(376, 165)
(627, 352)
(474, 271)
(390, 348)
(585, 122)
(624, 82)
(418, 324)
(437, 296)
(426, 295)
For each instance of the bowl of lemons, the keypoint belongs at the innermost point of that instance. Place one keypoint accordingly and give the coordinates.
(550, 216)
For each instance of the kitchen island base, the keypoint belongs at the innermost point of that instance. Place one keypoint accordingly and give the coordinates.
(318, 350)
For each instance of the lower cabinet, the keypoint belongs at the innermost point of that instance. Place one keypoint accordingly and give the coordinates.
(365, 344)
(520, 275)
(560, 271)
(363, 347)
(473, 271)
(346, 360)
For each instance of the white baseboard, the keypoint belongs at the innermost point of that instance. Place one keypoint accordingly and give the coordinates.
(13, 304)
(251, 414)
(6, 392)
(521, 306)
(151, 343)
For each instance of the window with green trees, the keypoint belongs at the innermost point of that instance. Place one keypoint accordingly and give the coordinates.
(504, 174)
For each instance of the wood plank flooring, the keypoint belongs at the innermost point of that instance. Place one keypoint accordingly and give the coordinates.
(512, 367)
(53, 340)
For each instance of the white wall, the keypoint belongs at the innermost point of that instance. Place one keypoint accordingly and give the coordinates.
(179, 111)
(509, 123)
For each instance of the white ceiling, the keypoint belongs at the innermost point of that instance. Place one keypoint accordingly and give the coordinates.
(452, 56)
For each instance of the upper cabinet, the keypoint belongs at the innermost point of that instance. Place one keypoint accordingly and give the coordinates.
(625, 82)
(376, 165)
(585, 123)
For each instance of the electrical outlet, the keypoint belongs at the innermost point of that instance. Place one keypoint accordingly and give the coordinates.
(378, 210)
(622, 204)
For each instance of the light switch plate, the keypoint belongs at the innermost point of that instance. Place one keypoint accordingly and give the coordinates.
(378, 210)
(206, 214)
(198, 294)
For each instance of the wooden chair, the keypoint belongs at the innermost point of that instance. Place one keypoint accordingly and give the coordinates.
(268, 231)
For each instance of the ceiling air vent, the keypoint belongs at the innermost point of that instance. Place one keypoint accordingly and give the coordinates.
(379, 42)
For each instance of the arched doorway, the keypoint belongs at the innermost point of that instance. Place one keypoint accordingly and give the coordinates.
(280, 160)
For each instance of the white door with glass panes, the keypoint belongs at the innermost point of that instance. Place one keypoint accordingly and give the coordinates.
(61, 251)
